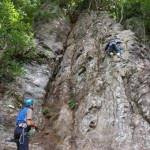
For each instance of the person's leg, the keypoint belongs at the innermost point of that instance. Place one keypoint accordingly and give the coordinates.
(17, 133)
(110, 50)
(24, 142)
(117, 50)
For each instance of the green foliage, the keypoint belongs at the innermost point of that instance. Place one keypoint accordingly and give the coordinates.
(17, 19)
(45, 111)
(16, 36)
(10, 69)
(140, 9)
(48, 10)
(146, 14)
(27, 8)
(72, 104)
(120, 9)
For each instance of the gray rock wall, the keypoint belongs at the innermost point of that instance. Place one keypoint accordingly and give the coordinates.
(112, 94)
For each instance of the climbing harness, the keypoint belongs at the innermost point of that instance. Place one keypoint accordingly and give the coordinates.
(23, 133)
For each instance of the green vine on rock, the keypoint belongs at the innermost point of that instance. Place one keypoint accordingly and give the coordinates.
(72, 104)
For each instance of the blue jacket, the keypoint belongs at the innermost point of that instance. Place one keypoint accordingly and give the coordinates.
(22, 116)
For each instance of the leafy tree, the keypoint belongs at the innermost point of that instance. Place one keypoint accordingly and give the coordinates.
(145, 8)
(16, 38)
(27, 8)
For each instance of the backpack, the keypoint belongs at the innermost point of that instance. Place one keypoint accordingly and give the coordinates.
(22, 116)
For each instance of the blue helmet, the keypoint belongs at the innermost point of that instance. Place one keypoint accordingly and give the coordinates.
(28, 102)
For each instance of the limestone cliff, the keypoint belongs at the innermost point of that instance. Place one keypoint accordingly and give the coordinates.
(110, 95)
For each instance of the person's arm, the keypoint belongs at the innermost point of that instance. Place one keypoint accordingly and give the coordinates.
(106, 47)
(30, 123)
(29, 119)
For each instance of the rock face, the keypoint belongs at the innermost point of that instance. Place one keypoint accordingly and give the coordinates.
(34, 82)
(111, 94)
(93, 101)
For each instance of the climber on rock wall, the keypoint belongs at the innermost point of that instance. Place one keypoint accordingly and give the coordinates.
(114, 47)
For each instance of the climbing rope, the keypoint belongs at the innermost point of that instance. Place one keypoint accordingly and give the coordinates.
(22, 137)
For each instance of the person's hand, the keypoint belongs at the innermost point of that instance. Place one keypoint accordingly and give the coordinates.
(36, 128)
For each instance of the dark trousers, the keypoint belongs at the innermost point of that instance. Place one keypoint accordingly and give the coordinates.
(21, 138)
(114, 48)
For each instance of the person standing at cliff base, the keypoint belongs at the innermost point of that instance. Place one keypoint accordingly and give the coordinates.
(23, 125)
